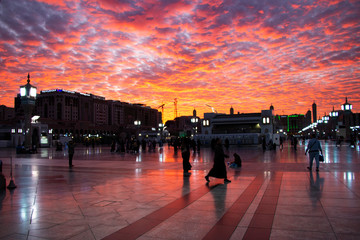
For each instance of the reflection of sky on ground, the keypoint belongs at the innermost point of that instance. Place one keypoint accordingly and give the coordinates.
(248, 154)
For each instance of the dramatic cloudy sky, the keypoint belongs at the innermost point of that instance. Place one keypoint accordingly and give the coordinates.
(248, 54)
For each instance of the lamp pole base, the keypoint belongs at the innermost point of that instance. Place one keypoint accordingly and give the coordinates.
(11, 185)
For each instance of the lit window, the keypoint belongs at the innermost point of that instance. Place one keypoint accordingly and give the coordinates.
(32, 92)
(266, 120)
(23, 91)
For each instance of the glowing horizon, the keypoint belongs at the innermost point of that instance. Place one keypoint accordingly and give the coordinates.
(240, 54)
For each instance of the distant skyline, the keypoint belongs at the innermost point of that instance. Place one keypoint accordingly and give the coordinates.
(244, 54)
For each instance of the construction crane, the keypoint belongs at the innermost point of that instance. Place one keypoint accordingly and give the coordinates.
(162, 111)
(175, 105)
(213, 109)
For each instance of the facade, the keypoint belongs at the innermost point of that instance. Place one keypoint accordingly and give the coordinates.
(6, 113)
(73, 112)
(339, 124)
(245, 128)
(292, 124)
(314, 111)
(184, 126)
(78, 114)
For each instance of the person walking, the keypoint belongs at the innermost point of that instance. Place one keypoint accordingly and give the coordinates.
(219, 168)
(71, 150)
(313, 148)
(295, 143)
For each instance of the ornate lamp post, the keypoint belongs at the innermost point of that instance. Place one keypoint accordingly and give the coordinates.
(28, 98)
(348, 119)
(334, 113)
(194, 122)
(346, 106)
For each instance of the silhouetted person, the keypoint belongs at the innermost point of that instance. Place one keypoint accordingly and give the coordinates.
(122, 146)
(295, 143)
(185, 153)
(219, 168)
(237, 161)
(154, 144)
(263, 144)
(198, 144)
(143, 145)
(193, 145)
(71, 150)
(176, 145)
(227, 144)
(213, 144)
(113, 144)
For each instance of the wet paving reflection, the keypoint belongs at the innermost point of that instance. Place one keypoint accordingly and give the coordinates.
(106, 192)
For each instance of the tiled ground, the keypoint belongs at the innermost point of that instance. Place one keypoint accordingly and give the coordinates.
(146, 196)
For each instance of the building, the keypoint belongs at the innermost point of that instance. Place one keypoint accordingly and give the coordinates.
(314, 111)
(6, 113)
(339, 124)
(291, 124)
(244, 128)
(184, 126)
(81, 113)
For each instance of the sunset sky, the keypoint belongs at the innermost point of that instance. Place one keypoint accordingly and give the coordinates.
(248, 54)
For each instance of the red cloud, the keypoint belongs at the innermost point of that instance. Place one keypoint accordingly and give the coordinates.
(242, 54)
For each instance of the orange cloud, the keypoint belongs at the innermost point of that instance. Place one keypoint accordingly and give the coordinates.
(239, 53)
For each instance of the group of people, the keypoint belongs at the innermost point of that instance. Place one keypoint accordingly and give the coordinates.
(133, 145)
(191, 144)
(219, 168)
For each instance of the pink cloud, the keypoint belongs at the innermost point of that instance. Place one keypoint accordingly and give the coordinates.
(242, 54)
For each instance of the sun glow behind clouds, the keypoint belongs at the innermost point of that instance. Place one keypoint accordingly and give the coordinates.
(241, 53)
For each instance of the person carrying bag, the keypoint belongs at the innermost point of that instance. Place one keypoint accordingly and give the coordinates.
(313, 148)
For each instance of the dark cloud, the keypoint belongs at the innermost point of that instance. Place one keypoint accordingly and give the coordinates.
(31, 20)
(167, 30)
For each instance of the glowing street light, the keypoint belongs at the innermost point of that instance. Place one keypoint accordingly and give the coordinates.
(346, 106)
(334, 113)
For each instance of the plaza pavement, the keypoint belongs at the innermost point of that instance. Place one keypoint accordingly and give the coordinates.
(146, 196)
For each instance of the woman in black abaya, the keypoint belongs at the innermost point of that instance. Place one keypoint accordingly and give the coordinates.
(219, 168)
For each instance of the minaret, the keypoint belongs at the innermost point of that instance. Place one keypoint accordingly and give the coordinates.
(314, 112)
(231, 110)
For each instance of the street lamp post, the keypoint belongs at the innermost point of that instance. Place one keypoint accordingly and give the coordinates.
(194, 122)
(28, 98)
(137, 124)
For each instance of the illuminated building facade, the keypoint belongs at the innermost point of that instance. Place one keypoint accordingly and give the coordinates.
(244, 128)
(87, 112)
(78, 114)
(339, 124)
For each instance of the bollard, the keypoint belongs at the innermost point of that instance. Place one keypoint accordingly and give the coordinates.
(2, 178)
(12, 184)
